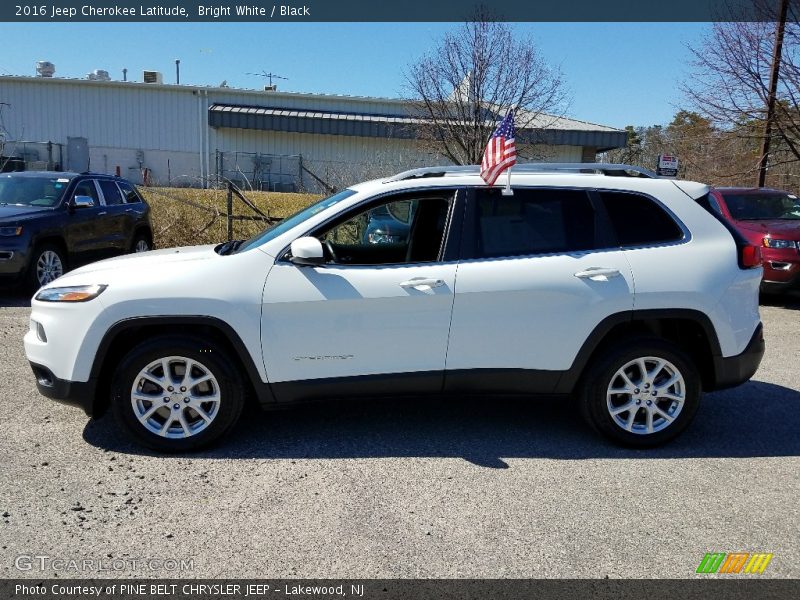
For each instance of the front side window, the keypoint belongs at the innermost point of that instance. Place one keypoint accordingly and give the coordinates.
(638, 220)
(532, 221)
(87, 188)
(763, 206)
(407, 230)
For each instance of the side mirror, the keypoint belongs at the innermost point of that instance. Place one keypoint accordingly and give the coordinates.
(82, 202)
(307, 251)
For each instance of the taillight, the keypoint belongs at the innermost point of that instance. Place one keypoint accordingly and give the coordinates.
(750, 256)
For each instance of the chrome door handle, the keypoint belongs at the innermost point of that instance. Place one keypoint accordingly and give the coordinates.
(100, 214)
(422, 283)
(598, 273)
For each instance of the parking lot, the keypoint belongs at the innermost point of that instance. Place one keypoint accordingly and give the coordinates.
(404, 489)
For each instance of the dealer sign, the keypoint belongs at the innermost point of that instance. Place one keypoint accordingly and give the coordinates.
(667, 165)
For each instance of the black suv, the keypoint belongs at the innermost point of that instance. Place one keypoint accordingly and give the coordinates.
(51, 221)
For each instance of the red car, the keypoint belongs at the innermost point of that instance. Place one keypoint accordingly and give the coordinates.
(770, 219)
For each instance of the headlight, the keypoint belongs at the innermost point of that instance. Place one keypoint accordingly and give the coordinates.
(780, 244)
(75, 293)
(10, 231)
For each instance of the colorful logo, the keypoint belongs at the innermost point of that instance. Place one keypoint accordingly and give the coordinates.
(735, 562)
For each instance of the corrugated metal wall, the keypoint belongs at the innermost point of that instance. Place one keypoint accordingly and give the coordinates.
(115, 116)
(168, 127)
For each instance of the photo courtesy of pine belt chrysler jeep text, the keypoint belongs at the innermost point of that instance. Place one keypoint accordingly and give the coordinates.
(599, 282)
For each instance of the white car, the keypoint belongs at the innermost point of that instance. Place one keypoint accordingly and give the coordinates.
(620, 290)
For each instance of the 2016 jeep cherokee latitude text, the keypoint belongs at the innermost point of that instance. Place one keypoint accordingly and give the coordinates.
(621, 291)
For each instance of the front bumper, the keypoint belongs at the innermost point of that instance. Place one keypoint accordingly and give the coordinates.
(13, 262)
(781, 270)
(775, 285)
(734, 370)
(74, 393)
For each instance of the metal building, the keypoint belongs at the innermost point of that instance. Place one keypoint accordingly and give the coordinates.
(183, 135)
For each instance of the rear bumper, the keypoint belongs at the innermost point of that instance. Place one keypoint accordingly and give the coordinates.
(74, 393)
(734, 370)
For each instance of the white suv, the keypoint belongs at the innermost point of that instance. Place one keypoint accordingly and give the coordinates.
(619, 290)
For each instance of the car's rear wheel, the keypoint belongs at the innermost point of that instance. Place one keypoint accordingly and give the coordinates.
(642, 393)
(48, 262)
(176, 394)
(141, 243)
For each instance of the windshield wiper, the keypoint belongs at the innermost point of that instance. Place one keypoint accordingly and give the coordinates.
(229, 247)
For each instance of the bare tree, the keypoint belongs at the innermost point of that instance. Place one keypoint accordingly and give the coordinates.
(730, 84)
(467, 83)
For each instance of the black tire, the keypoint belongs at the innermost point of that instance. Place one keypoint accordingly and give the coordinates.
(141, 238)
(212, 358)
(33, 279)
(595, 404)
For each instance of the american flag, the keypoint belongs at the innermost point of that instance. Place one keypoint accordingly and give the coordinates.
(501, 153)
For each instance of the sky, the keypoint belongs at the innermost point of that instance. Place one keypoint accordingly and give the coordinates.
(616, 74)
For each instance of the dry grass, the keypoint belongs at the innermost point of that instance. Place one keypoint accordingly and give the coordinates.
(178, 223)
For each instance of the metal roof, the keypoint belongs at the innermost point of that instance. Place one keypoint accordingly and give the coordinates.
(556, 131)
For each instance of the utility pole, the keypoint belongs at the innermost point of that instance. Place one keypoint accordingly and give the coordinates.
(773, 88)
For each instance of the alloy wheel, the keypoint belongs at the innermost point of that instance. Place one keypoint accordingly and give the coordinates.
(646, 395)
(48, 267)
(175, 397)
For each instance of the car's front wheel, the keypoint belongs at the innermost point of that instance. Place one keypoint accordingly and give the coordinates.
(176, 394)
(48, 263)
(642, 393)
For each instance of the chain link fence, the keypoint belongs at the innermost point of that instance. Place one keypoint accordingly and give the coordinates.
(31, 156)
(298, 173)
(257, 171)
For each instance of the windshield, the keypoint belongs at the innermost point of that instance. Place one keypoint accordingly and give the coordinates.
(289, 222)
(760, 207)
(32, 191)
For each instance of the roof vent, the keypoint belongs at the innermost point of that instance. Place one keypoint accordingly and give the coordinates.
(44, 68)
(98, 75)
(152, 77)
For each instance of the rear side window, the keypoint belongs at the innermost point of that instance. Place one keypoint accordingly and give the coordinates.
(111, 192)
(531, 222)
(128, 192)
(638, 220)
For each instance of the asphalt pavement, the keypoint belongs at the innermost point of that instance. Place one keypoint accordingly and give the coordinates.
(402, 489)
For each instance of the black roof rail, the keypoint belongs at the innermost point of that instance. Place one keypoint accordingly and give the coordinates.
(610, 169)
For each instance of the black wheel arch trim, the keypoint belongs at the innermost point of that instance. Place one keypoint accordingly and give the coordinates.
(50, 236)
(262, 390)
(570, 378)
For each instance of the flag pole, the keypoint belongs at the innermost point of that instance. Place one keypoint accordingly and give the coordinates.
(507, 191)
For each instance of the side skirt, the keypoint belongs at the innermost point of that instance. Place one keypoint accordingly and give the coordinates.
(468, 381)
